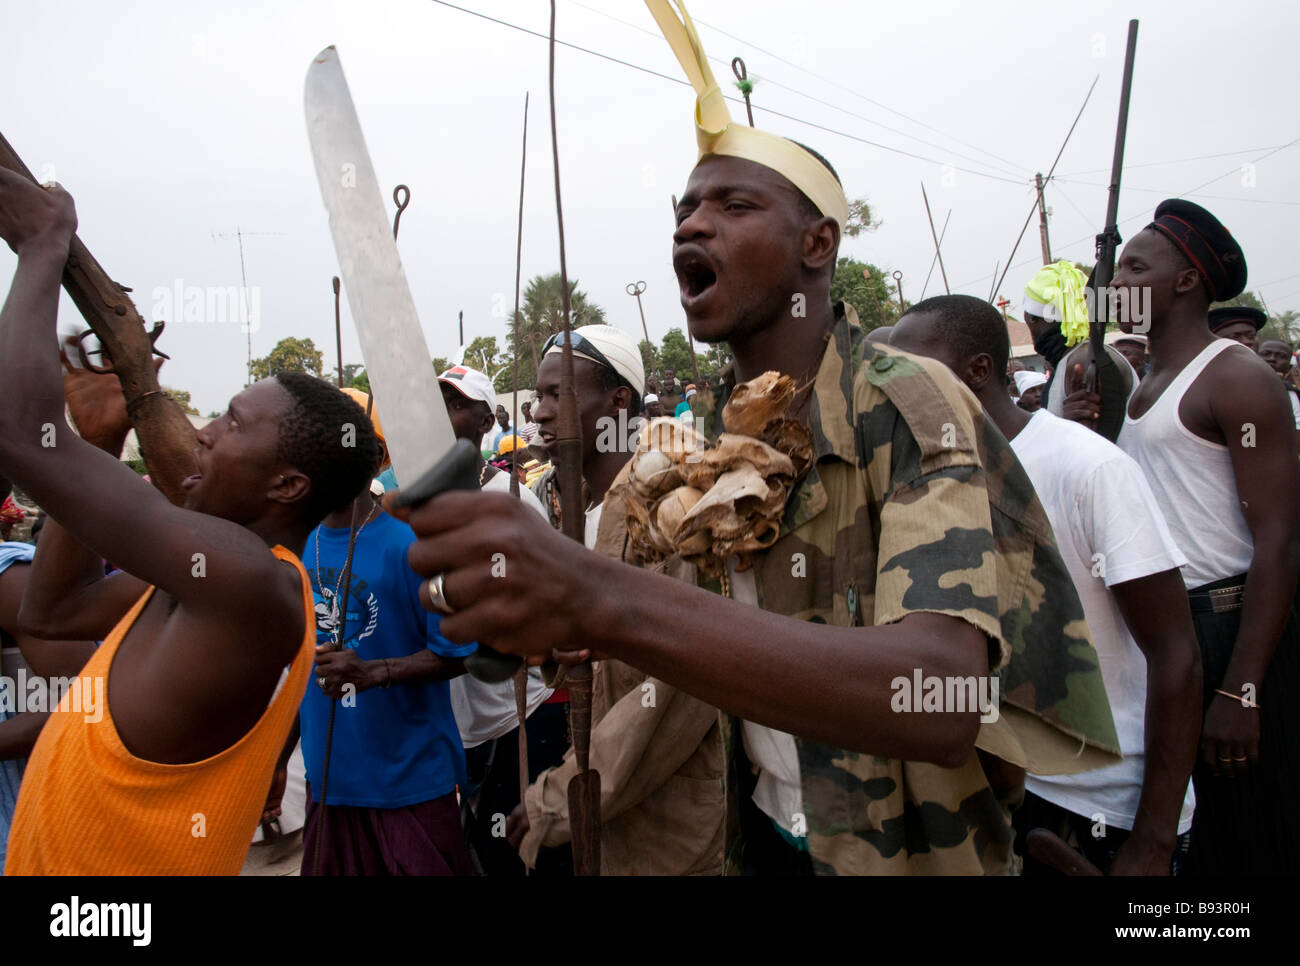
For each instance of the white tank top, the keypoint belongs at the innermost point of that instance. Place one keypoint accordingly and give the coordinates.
(1193, 480)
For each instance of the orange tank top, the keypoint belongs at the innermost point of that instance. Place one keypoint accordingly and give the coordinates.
(87, 806)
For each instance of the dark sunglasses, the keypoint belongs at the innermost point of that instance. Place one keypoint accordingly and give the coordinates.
(581, 344)
(584, 345)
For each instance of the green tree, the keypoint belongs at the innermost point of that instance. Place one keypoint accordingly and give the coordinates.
(868, 289)
(351, 372)
(860, 218)
(540, 317)
(484, 355)
(441, 364)
(676, 355)
(289, 355)
(647, 356)
(181, 398)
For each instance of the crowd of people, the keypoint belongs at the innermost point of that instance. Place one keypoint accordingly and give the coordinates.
(1128, 607)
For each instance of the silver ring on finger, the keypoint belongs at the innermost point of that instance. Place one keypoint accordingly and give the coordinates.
(321, 683)
(437, 596)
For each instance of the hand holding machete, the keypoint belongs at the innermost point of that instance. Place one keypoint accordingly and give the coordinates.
(404, 385)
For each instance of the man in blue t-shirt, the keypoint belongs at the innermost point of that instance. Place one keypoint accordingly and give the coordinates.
(396, 755)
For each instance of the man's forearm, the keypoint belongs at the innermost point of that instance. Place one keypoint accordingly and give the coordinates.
(1157, 614)
(1173, 727)
(421, 666)
(64, 597)
(737, 658)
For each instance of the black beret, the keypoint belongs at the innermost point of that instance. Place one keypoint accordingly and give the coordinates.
(1226, 315)
(1207, 244)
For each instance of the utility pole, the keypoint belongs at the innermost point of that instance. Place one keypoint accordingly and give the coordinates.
(636, 288)
(1042, 220)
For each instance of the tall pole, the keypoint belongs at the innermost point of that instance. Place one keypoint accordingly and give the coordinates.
(338, 329)
(690, 340)
(460, 316)
(584, 787)
(1042, 220)
(1102, 376)
(937, 253)
(243, 302)
(1023, 228)
(636, 288)
(943, 232)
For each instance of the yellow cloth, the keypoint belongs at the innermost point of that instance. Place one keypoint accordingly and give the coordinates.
(1058, 293)
(718, 134)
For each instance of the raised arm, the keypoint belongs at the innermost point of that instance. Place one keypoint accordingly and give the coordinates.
(109, 509)
(69, 595)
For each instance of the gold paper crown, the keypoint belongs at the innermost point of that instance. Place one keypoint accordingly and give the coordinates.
(718, 134)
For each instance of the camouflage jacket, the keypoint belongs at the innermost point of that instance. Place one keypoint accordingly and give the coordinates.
(916, 503)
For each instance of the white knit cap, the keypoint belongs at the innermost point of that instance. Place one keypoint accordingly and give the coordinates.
(1027, 379)
(619, 348)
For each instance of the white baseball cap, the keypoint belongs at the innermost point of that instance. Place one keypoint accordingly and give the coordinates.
(471, 384)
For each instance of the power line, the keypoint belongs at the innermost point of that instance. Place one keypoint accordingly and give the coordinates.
(734, 100)
(817, 100)
(856, 94)
(1143, 213)
(1156, 164)
(1169, 194)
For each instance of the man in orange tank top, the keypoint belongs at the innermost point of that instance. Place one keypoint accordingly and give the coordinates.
(1223, 408)
(209, 608)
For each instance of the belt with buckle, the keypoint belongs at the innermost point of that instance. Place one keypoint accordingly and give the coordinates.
(1221, 600)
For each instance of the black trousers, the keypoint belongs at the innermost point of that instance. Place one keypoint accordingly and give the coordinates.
(1250, 824)
(494, 768)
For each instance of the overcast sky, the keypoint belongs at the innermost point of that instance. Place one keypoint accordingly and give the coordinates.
(176, 124)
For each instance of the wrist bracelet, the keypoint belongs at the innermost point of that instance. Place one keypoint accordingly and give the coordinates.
(139, 399)
(388, 676)
(1241, 698)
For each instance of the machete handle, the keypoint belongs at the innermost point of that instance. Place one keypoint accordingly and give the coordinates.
(459, 470)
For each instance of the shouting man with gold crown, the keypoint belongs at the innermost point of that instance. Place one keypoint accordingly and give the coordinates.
(879, 608)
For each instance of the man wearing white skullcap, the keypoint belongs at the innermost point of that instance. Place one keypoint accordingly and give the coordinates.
(1030, 385)
(609, 380)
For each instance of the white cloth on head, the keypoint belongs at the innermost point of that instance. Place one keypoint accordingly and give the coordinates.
(1109, 530)
(619, 348)
(1027, 379)
(649, 398)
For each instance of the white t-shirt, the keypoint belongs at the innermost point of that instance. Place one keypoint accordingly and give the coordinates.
(487, 711)
(1109, 530)
(1295, 406)
(779, 792)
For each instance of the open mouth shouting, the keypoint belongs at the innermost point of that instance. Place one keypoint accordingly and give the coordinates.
(697, 275)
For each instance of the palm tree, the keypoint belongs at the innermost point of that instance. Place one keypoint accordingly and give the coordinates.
(541, 315)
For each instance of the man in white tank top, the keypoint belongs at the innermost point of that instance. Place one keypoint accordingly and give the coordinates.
(1215, 437)
(1134, 816)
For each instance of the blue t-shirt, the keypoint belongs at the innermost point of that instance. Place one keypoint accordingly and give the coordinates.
(392, 747)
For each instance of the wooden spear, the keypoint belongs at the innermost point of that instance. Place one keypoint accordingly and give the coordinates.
(584, 787)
